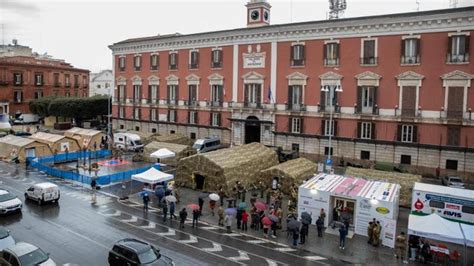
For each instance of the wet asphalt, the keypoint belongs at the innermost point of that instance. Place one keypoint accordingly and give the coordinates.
(77, 231)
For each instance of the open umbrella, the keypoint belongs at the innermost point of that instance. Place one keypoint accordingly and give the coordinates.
(171, 198)
(293, 225)
(260, 205)
(160, 192)
(266, 221)
(306, 216)
(242, 205)
(193, 206)
(230, 211)
(273, 218)
(214, 197)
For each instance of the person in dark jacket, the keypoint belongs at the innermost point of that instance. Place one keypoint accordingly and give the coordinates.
(196, 214)
(342, 237)
(303, 232)
(238, 216)
(172, 210)
(320, 226)
(201, 204)
(296, 236)
(183, 214)
(165, 210)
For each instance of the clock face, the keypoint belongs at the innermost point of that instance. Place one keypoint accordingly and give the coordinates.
(254, 15)
(266, 15)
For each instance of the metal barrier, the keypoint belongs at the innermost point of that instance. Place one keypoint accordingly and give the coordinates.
(40, 163)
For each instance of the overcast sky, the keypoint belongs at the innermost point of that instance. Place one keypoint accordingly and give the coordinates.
(79, 31)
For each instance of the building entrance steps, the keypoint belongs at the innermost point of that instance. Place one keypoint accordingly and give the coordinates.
(357, 250)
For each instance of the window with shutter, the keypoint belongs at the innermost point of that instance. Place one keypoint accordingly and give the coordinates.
(329, 127)
(122, 63)
(365, 130)
(407, 133)
(458, 49)
(368, 57)
(137, 62)
(331, 54)
(154, 62)
(297, 55)
(295, 125)
(173, 61)
(194, 60)
(216, 58)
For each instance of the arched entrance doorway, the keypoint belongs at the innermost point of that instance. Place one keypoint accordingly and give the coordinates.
(252, 130)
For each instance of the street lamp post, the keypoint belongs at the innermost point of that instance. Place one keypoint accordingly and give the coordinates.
(332, 89)
(109, 125)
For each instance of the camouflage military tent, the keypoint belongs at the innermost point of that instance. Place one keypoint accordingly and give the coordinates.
(173, 138)
(18, 147)
(181, 151)
(289, 173)
(209, 171)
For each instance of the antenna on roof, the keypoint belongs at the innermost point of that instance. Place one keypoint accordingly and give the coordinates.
(453, 3)
(336, 8)
(417, 5)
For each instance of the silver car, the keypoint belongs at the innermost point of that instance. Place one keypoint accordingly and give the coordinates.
(24, 254)
(453, 181)
(9, 202)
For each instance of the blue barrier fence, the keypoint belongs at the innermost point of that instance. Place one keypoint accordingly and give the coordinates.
(40, 163)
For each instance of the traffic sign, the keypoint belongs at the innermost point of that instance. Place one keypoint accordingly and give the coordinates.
(328, 162)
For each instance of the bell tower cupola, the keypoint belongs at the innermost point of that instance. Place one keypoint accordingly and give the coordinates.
(258, 13)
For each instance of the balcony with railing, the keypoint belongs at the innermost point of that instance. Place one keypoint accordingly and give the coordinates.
(216, 64)
(252, 105)
(457, 58)
(172, 101)
(295, 107)
(215, 103)
(327, 109)
(191, 103)
(331, 61)
(297, 62)
(409, 60)
(369, 61)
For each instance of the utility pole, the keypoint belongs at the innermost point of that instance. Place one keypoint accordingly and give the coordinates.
(337, 8)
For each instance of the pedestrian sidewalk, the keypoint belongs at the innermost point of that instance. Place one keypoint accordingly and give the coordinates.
(357, 250)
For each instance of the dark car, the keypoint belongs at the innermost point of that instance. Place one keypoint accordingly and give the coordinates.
(135, 252)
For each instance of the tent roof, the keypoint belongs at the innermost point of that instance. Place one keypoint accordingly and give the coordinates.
(174, 138)
(16, 141)
(163, 153)
(300, 168)
(237, 156)
(468, 231)
(465, 193)
(46, 137)
(82, 131)
(152, 176)
(176, 148)
(435, 227)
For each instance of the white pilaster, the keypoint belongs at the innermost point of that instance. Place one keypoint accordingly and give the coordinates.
(273, 71)
(235, 72)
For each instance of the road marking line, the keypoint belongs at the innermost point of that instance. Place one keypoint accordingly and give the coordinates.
(170, 232)
(215, 248)
(150, 225)
(271, 262)
(209, 227)
(242, 256)
(256, 241)
(192, 239)
(232, 234)
(131, 220)
(285, 249)
(314, 258)
(115, 214)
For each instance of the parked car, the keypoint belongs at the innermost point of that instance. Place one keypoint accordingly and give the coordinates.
(43, 192)
(27, 119)
(452, 181)
(25, 254)
(207, 144)
(6, 240)
(9, 203)
(135, 252)
(128, 141)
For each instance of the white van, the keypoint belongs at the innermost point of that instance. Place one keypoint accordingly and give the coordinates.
(207, 144)
(128, 141)
(43, 192)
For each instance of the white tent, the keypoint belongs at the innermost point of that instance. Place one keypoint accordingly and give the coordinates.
(468, 231)
(162, 154)
(152, 176)
(435, 227)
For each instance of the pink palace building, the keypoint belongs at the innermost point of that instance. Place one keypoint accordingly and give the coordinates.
(398, 87)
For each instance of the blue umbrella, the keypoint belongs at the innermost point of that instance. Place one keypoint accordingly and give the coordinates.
(230, 211)
(242, 205)
(160, 192)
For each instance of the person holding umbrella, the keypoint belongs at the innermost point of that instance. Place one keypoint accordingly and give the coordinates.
(266, 225)
(245, 218)
(196, 214)
(159, 193)
(183, 214)
(294, 226)
(228, 223)
(239, 217)
(164, 206)
(304, 231)
(201, 201)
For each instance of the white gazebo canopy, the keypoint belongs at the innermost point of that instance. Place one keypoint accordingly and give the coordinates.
(152, 176)
(162, 154)
(468, 231)
(435, 227)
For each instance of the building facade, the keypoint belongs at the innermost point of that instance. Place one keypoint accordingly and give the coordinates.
(398, 87)
(101, 83)
(25, 76)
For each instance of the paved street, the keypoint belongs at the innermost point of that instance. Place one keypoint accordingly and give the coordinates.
(79, 232)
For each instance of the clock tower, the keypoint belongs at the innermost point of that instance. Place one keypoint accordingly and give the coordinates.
(258, 13)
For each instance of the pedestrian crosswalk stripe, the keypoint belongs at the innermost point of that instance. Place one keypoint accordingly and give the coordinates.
(242, 256)
(232, 234)
(209, 228)
(131, 220)
(314, 258)
(256, 241)
(215, 248)
(285, 249)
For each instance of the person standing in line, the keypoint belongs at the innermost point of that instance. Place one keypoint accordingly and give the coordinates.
(220, 213)
(245, 217)
(146, 200)
(201, 204)
(238, 216)
(320, 226)
(183, 214)
(401, 247)
(196, 214)
(370, 232)
(303, 232)
(273, 226)
(228, 223)
(172, 210)
(342, 237)
(164, 206)
(265, 230)
(296, 236)
(221, 195)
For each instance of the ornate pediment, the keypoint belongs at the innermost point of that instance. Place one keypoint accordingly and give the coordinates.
(215, 76)
(457, 75)
(193, 77)
(121, 81)
(172, 80)
(136, 80)
(410, 75)
(297, 76)
(368, 75)
(153, 80)
(253, 77)
(330, 75)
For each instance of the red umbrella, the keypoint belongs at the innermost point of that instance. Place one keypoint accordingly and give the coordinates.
(266, 221)
(260, 205)
(193, 206)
